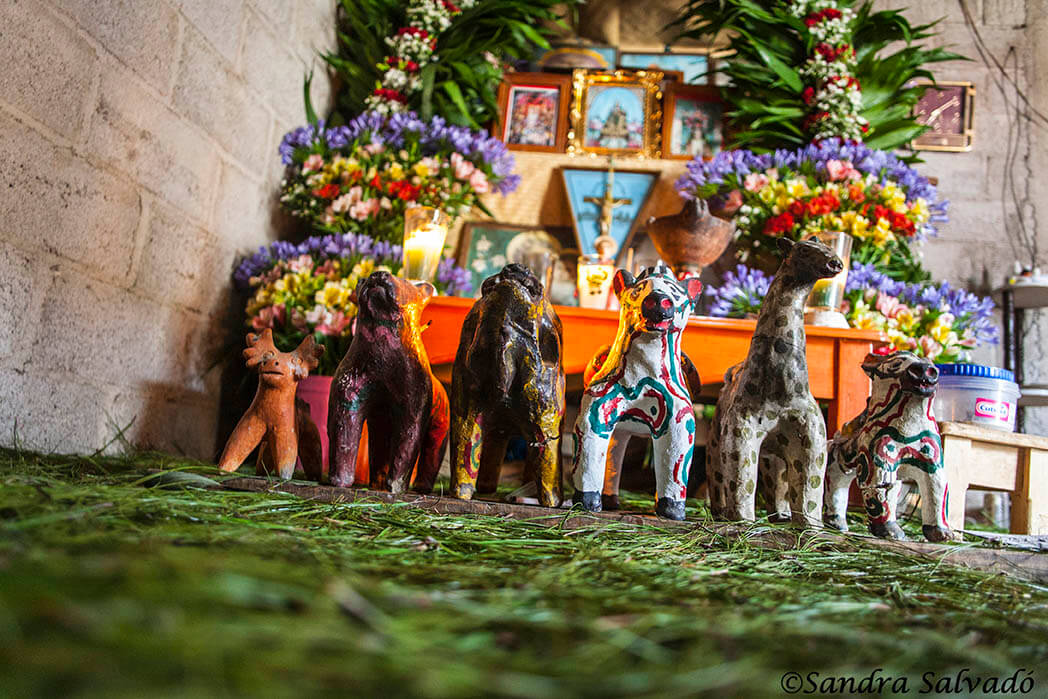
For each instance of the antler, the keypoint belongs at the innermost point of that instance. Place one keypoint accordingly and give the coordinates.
(309, 353)
(258, 346)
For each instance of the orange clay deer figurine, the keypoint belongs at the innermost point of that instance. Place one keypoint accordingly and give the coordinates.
(273, 417)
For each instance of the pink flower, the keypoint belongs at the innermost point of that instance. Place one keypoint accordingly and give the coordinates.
(313, 162)
(342, 204)
(889, 306)
(334, 323)
(363, 209)
(269, 317)
(302, 263)
(463, 168)
(479, 182)
(929, 347)
(755, 181)
(841, 170)
(298, 321)
(374, 148)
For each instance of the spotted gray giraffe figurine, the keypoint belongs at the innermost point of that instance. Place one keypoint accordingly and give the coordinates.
(766, 411)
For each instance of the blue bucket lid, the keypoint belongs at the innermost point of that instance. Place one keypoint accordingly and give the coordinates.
(975, 370)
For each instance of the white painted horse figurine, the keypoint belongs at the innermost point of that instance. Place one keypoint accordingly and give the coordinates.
(641, 388)
(895, 436)
(766, 411)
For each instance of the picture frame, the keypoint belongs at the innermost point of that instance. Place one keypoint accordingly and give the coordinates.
(617, 113)
(694, 66)
(586, 188)
(693, 122)
(948, 108)
(484, 247)
(569, 56)
(533, 111)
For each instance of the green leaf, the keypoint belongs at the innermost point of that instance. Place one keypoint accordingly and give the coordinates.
(311, 115)
(426, 76)
(452, 90)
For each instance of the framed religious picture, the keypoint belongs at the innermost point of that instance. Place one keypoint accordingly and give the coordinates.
(691, 65)
(617, 113)
(533, 111)
(947, 108)
(606, 207)
(485, 247)
(692, 122)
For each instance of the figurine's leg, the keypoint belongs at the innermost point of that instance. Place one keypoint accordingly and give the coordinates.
(544, 459)
(435, 441)
(739, 449)
(674, 451)
(246, 436)
(835, 498)
(492, 454)
(613, 470)
(405, 454)
(380, 448)
(591, 453)
(880, 498)
(310, 453)
(466, 448)
(715, 480)
(265, 460)
(773, 482)
(282, 443)
(933, 489)
(345, 424)
(805, 455)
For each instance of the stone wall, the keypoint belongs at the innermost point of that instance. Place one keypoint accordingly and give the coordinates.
(139, 141)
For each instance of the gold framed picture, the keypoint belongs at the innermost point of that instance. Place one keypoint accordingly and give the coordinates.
(617, 113)
(948, 109)
(533, 111)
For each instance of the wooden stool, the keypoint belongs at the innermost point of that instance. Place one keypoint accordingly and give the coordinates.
(990, 459)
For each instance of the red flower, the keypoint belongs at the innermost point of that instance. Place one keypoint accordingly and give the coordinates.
(783, 223)
(831, 13)
(411, 66)
(865, 128)
(808, 95)
(812, 19)
(450, 8)
(376, 182)
(856, 194)
(797, 208)
(391, 95)
(328, 191)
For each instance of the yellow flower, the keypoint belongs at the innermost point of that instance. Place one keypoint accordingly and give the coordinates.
(783, 201)
(396, 171)
(882, 232)
(859, 225)
(421, 170)
(920, 210)
(767, 195)
(363, 269)
(905, 319)
(832, 187)
(796, 187)
(942, 330)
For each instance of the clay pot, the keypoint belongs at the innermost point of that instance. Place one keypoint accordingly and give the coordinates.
(692, 238)
(315, 391)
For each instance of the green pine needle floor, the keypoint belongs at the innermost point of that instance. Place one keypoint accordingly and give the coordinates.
(109, 588)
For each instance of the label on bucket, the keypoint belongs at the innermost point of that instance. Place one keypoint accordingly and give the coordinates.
(987, 410)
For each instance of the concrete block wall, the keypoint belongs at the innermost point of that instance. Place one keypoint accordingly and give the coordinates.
(140, 160)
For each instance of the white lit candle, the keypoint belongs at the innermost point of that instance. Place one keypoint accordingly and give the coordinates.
(425, 230)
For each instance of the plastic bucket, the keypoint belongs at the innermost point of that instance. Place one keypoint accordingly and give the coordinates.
(983, 395)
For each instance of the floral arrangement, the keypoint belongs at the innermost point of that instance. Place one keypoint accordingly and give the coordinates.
(308, 288)
(832, 94)
(361, 176)
(932, 320)
(831, 185)
(412, 50)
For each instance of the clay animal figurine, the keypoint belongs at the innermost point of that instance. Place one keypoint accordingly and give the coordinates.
(273, 419)
(690, 239)
(508, 380)
(641, 388)
(895, 436)
(765, 410)
(619, 440)
(385, 379)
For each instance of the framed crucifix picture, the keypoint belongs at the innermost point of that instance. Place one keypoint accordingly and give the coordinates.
(947, 108)
(616, 113)
(533, 111)
(606, 207)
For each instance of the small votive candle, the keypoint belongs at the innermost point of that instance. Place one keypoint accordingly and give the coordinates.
(594, 282)
(828, 294)
(425, 229)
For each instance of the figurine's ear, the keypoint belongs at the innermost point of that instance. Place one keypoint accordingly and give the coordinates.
(623, 280)
(785, 245)
(694, 288)
(257, 346)
(871, 362)
(309, 352)
(427, 289)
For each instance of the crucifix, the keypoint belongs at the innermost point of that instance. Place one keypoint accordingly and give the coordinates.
(608, 203)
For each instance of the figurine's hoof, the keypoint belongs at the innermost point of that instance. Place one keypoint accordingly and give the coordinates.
(670, 509)
(888, 530)
(610, 502)
(589, 499)
(839, 522)
(341, 482)
(936, 533)
(780, 517)
(465, 492)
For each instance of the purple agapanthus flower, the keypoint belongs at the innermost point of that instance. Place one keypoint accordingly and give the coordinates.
(739, 294)
(455, 280)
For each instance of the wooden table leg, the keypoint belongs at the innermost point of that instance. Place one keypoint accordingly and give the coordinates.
(851, 385)
(957, 479)
(1030, 499)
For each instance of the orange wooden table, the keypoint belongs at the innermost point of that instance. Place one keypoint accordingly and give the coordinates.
(713, 344)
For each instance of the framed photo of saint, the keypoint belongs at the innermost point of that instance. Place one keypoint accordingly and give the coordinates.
(533, 111)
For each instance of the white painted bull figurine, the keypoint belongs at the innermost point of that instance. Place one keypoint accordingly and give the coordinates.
(640, 387)
(895, 436)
